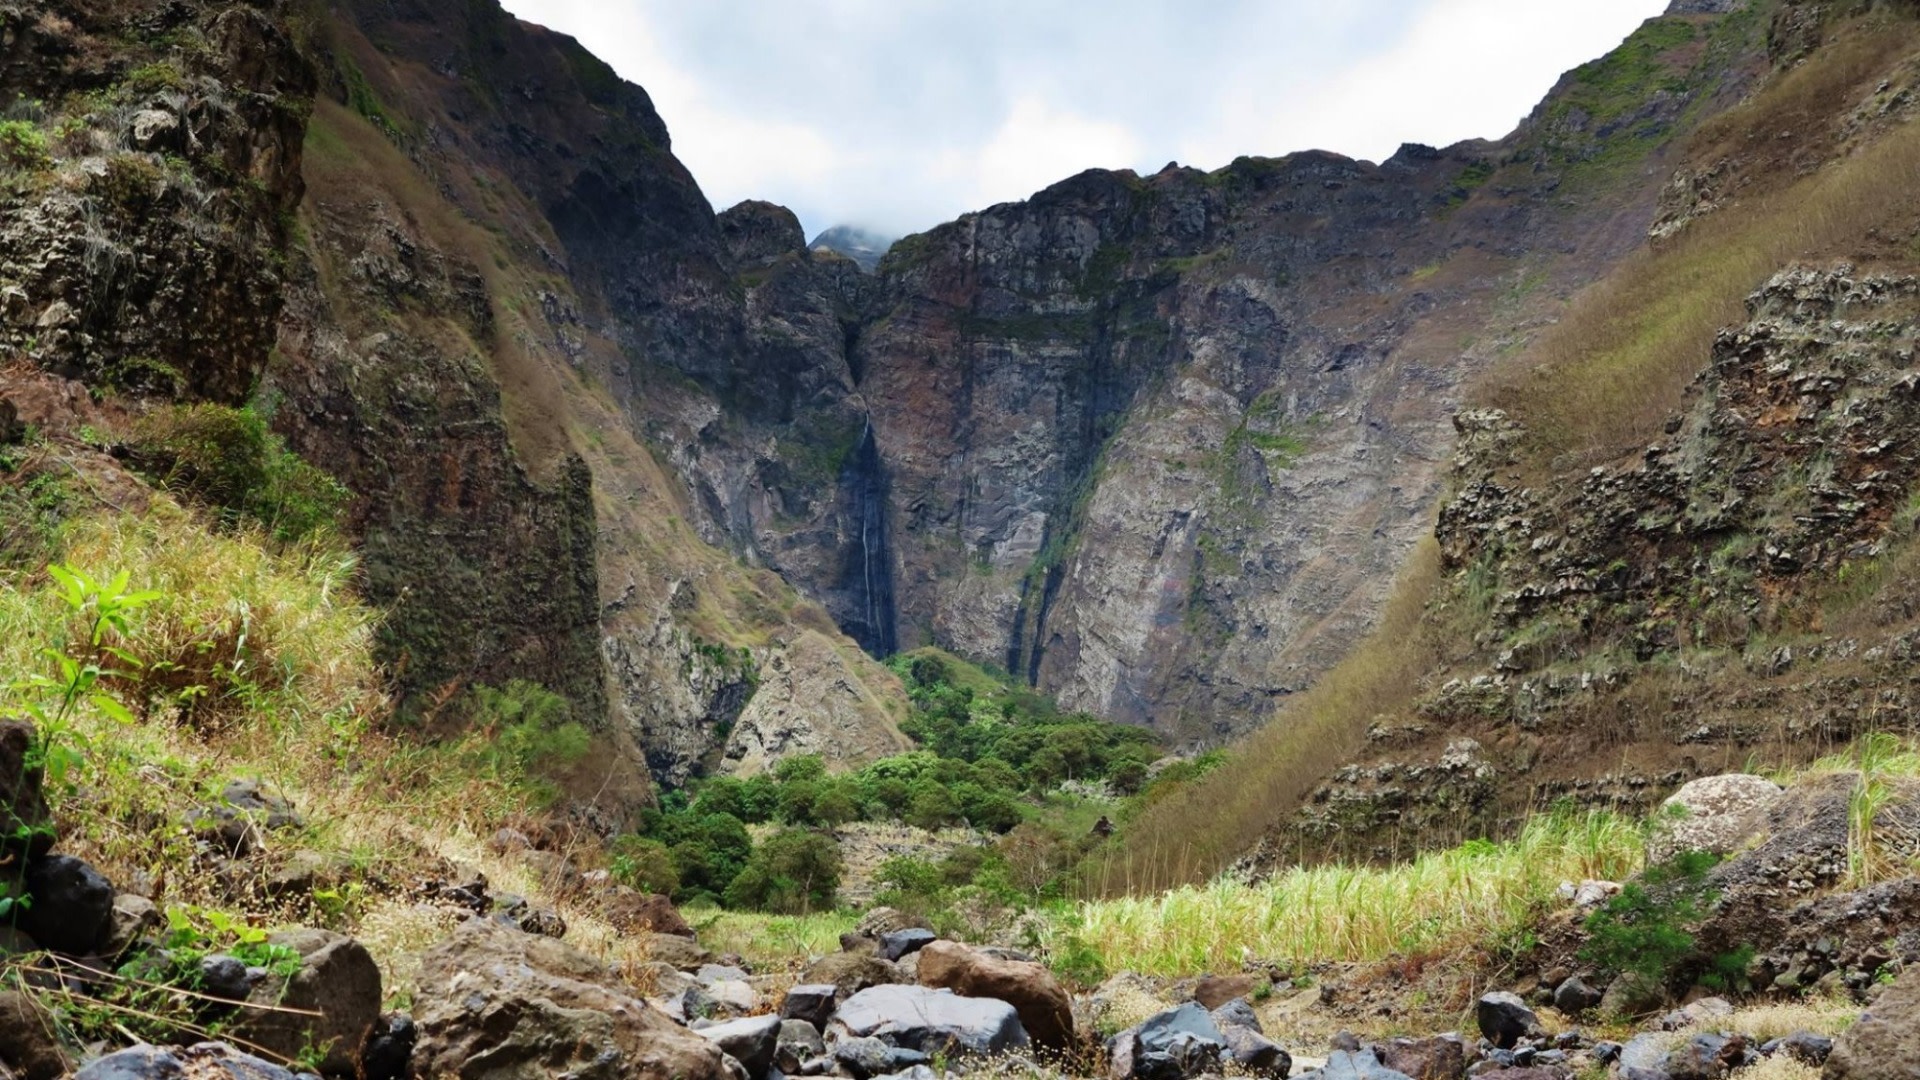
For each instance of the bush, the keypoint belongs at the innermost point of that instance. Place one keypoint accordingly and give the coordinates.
(226, 459)
(23, 145)
(793, 872)
(532, 726)
(1645, 932)
(645, 864)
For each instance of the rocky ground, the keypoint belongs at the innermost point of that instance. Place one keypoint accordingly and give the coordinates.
(1828, 982)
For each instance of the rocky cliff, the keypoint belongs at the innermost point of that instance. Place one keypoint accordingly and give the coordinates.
(1157, 444)
(444, 265)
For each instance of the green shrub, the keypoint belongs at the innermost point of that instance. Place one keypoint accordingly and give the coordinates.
(645, 864)
(23, 145)
(533, 727)
(793, 872)
(1645, 932)
(228, 460)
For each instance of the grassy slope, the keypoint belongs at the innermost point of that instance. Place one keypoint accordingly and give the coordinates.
(1598, 384)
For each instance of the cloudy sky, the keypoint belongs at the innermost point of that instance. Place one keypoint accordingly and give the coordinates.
(900, 114)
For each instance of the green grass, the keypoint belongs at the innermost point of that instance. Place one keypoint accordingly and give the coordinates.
(772, 942)
(1470, 896)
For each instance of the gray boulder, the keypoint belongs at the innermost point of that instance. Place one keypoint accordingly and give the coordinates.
(812, 1002)
(1505, 1019)
(1575, 996)
(1180, 1042)
(752, 1042)
(799, 1043)
(1807, 1048)
(1236, 1013)
(1253, 1054)
(206, 1061)
(332, 1002)
(1439, 1058)
(901, 943)
(932, 1021)
(1353, 1065)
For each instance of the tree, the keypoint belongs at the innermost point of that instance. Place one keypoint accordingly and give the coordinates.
(931, 806)
(645, 864)
(793, 872)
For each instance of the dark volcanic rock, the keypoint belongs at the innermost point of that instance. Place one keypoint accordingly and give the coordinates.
(757, 232)
(26, 824)
(72, 908)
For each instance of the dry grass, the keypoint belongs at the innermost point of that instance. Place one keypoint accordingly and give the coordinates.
(1474, 896)
(1604, 380)
(383, 810)
(1195, 832)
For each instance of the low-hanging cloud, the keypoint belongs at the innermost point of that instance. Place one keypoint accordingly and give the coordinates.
(900, 114)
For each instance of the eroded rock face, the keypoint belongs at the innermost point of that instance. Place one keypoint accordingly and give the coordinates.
(496, 1004)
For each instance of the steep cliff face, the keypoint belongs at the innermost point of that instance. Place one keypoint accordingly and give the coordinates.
(589, 286)
(452, 259)
(1158, 444)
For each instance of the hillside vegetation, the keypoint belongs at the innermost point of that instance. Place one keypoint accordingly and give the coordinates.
(1812, 168)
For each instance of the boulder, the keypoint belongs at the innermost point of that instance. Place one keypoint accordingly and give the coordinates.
(389, 1053)
(880, 921)
(26, 822)
(134, 917)
(1807, 1048)
(1355, 1065)
(1237, 1013)
(224, 977)
(1177, 1043)
(494, 1004)
(811, 1002)
(1438, 1058)
(1045, 1008)
(206, 1061)
(633, 912)
(1505, 1019)
(337, 980)
(1574, 996)
(72, 909)
(1631, 995)
(863, 1056)
(850, 973)
(734, 997)
(1707, 1057)
(1253, 1054)
(900, 943)
(1644, 1057)
(799, 1043)
(1885, 1043)
(1216, 990)
(29, 1046)
(683, 953)
(1714, 813)
(751, 1042)
(932, 1021)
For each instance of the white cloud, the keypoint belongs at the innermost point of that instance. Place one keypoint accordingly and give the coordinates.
(1039, 144)
(900, 114)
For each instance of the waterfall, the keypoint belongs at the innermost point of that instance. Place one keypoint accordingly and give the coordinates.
(872, 617)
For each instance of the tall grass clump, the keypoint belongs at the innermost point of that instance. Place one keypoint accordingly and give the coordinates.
(1479, 894)
(1877, 759)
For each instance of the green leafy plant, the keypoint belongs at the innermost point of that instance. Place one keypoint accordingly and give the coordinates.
(83, 671)
(228, 460)
(23, 145)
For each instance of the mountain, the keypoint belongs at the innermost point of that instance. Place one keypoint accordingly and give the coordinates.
(863, 246)
(1157, 445)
